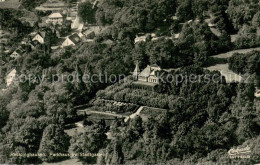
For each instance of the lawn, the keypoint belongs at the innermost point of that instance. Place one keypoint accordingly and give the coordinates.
(229, 54)
(14, 4)
(226, 72)
(149, 112)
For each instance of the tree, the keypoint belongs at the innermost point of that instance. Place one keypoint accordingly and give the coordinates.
(31, 4)
(256, 20)
(87, 12)
(54, 140)
(184, 11)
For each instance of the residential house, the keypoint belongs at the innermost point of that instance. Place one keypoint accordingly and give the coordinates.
(80, 35)
(71, 40)
(10, 77)
(148, 75)
(108, 42)
(176, 36)
(40, 36)
(144, 37)
(17, 53)
(174, 17)
(25, 41)
(90, 35)
(96, 29)
(4, 40)
(55, 18)
(140, 37)
(6, 51)
(90, 32)
(4, 37)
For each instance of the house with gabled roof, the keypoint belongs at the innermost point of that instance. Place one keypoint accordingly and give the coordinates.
(148, 75)
(72, 40)
(39, 36)
(55, 18)
(17, 53)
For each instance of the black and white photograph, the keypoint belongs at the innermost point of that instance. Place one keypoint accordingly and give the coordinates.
(125, 82)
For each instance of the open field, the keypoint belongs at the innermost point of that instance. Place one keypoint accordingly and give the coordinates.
(13, 4)
(227, 73)
(229, 54)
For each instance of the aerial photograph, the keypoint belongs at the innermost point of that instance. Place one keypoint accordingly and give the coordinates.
(131, 82)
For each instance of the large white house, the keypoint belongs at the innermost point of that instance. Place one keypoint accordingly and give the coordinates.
(148, 74)
(55, 18)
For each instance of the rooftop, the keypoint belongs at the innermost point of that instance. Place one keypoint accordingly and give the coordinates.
(149, 70)
(75, 38)
(55, 15)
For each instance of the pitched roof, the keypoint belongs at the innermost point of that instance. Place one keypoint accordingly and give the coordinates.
(55, 15)
(75, 38)
(18, 51)
(41, 33)
(150, 70)
(152, 73)
(108, 42)
(11, 73)
(146, 72)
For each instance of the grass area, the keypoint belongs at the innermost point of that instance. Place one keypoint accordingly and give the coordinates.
(226, 72)
(229, 54)
(113, 106)
(95, 117)
(98, 117)
(13, 4)
(149, 112)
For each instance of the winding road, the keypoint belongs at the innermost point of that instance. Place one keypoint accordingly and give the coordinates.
(137, 113)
